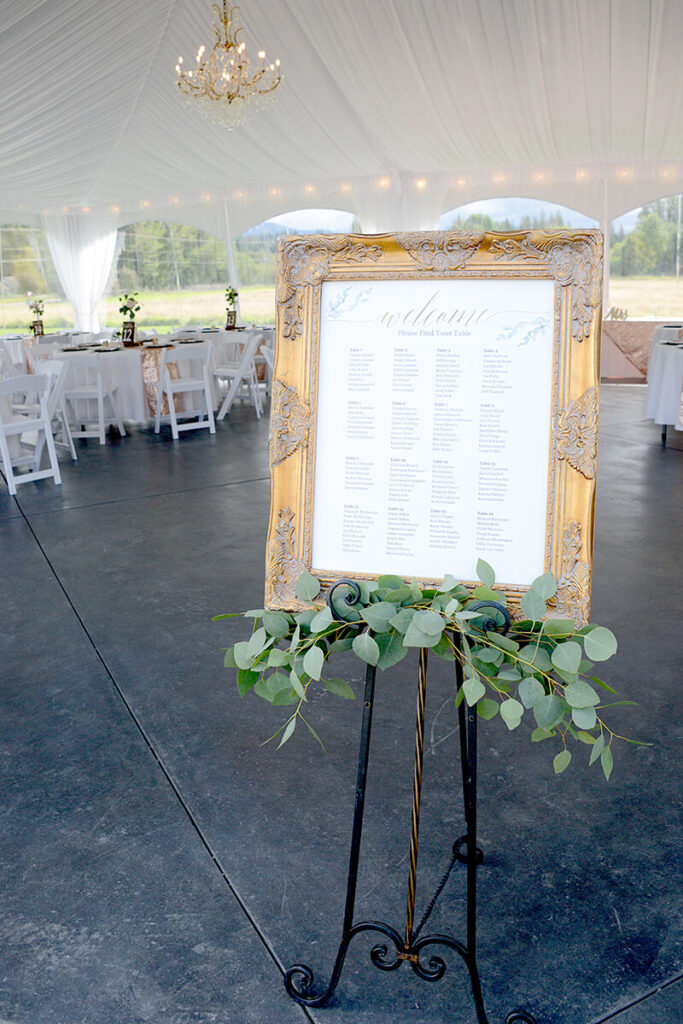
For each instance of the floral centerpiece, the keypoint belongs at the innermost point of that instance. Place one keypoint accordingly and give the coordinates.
(37, 307)
(128, 308)
(129, 305)
(230, 313)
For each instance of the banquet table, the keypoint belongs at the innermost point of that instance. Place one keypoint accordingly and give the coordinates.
(665, 384)
(135, 371)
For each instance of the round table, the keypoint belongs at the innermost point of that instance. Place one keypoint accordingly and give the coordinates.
(664, 385)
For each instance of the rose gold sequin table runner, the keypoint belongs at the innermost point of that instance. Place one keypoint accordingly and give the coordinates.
(151, 368)
(633, 339)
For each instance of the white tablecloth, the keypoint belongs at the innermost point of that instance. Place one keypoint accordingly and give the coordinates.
(123, 368)
(665, 383)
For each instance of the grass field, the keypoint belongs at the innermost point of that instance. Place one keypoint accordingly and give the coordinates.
(643, 298)
(162, 310)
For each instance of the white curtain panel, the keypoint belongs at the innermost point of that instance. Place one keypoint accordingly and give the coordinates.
(82, 246)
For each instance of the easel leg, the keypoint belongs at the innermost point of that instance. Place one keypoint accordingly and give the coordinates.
(299, 978)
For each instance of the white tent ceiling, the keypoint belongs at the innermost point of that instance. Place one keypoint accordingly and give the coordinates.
(394, 109)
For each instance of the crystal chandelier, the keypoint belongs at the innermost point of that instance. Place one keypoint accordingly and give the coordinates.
(221, 86)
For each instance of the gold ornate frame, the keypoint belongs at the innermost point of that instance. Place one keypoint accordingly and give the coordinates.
(571, 259)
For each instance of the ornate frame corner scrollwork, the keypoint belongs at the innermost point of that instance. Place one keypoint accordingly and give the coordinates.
(572, 258)
(304, 262)
(290, 422)
(282, 565)
(573, 582)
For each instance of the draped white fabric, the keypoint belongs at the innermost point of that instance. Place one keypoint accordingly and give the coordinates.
(575, 101)
(82, 247)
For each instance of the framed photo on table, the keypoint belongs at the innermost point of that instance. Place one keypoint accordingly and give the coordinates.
(435, 401)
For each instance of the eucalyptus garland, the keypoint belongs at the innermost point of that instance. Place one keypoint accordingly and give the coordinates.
(541, 665)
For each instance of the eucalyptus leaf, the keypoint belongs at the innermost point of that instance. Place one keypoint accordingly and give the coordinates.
(584, 718)
(297, 685)
(580, 695)
(485, 573)
(229, 659)
(321, 621)
(597, 749)
(487, 708)
(278, 658)
(399, 595)
(429, 622)
(489, 656)
(391, 649)
(449, 583)
(533, 605)
(534, 659)
(530, 691)
(340, 688)
(284, 697)
(312, 732)
(402, 619)
(600, 644)
(538, 735)
(313, 662)
(276, 624)
(365, 648)
(485, 593)
(307, 587)
(241, 654)
(390, 582)
(567, 657)
(474, 689)
(245, 680)
(444, 648)
(289, 729)
(562, 761)
(509, 673)
(503, 641)
(511, 712)
(379, 615)
(268, 686)
(607, 761)
(296, 636)
(559, 627)
(549, 711)
(344, 643)
(257, 641)
(545, 586)
(416, 638)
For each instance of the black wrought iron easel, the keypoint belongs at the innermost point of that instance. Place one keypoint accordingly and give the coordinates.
(299, 979)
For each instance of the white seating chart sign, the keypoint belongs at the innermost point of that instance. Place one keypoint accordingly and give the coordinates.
(433, 427)
(435, 402)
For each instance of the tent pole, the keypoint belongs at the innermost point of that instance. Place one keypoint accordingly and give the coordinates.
(230, 257)
(605, 264)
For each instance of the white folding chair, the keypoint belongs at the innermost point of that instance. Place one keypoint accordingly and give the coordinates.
(17, 430)
(85, 392)
(239, 371)
(59, 421)
(7, 367)
(269, 360)
(192, 365)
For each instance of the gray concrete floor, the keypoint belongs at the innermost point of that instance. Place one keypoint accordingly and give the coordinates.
(158, 865)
